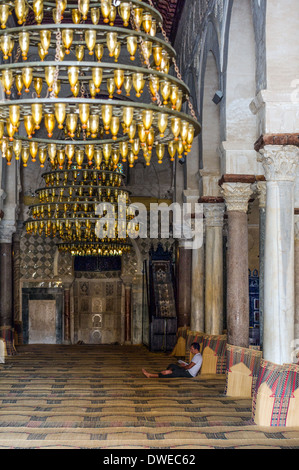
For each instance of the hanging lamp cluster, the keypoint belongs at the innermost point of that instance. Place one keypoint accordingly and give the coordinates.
(102, 76)
(67, 208)
(103, 248)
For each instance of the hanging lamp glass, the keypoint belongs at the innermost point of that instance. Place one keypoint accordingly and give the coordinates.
(87, 48)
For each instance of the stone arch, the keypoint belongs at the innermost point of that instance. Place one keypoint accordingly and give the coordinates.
(210, 117)
(239, 124)
(210, 138)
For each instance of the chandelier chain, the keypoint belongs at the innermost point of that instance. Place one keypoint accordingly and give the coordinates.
(82, 88)
(58, 50)
(177, 70)
(157, 96)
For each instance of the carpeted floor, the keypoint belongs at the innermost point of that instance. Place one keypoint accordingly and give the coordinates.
(95, 397)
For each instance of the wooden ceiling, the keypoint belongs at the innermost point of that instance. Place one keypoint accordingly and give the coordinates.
(171, 12)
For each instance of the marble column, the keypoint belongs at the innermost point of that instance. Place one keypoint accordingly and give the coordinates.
(280, 164)
(192, 196)
(6, 297)
(16, 274)
(261, 189)
(67, 315)
(7, 229)
(296, 333)
(197, 321)
(137, 319)
(184, 262)
(236, 197)
(2, 192)
(128, 307)
(214, 214)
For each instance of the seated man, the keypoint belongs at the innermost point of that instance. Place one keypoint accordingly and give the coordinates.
(182, 369)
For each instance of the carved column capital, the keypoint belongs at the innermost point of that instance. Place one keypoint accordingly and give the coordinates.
(279, 162)
(127, 280)
(214, 214)
(67, 283)
(236, 196)
(261, 189)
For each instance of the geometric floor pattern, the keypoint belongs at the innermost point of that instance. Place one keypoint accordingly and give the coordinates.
(96, 397)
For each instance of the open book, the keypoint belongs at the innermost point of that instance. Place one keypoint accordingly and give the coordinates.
(182, 362)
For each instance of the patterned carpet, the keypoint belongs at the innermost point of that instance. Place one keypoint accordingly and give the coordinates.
(95, 397)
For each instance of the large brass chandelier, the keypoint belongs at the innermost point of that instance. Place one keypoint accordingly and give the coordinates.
(67, 207)
(99, 92)
(63, 94)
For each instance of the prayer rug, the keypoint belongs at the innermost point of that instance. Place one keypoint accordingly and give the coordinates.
(96, 397)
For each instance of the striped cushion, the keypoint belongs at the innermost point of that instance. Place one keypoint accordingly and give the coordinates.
(276, 396)
(183, 331)
(242, 369)
(214, 354)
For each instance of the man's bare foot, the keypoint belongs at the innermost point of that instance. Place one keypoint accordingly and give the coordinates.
(145, 373)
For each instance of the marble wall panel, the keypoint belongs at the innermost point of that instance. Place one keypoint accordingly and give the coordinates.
(42, 322)
(97, 307)
(42, 313)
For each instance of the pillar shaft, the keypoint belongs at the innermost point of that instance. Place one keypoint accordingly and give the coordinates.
(237, 280)
(296, 333)
(280, 164)
(261, 190)
(128, 306)
(236, 197)
(184, 262)
(16, 276)
(6, 296)
(214, 269)
(67, 316)
(197, 321)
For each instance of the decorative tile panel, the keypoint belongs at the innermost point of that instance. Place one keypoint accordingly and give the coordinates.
(37, 255)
